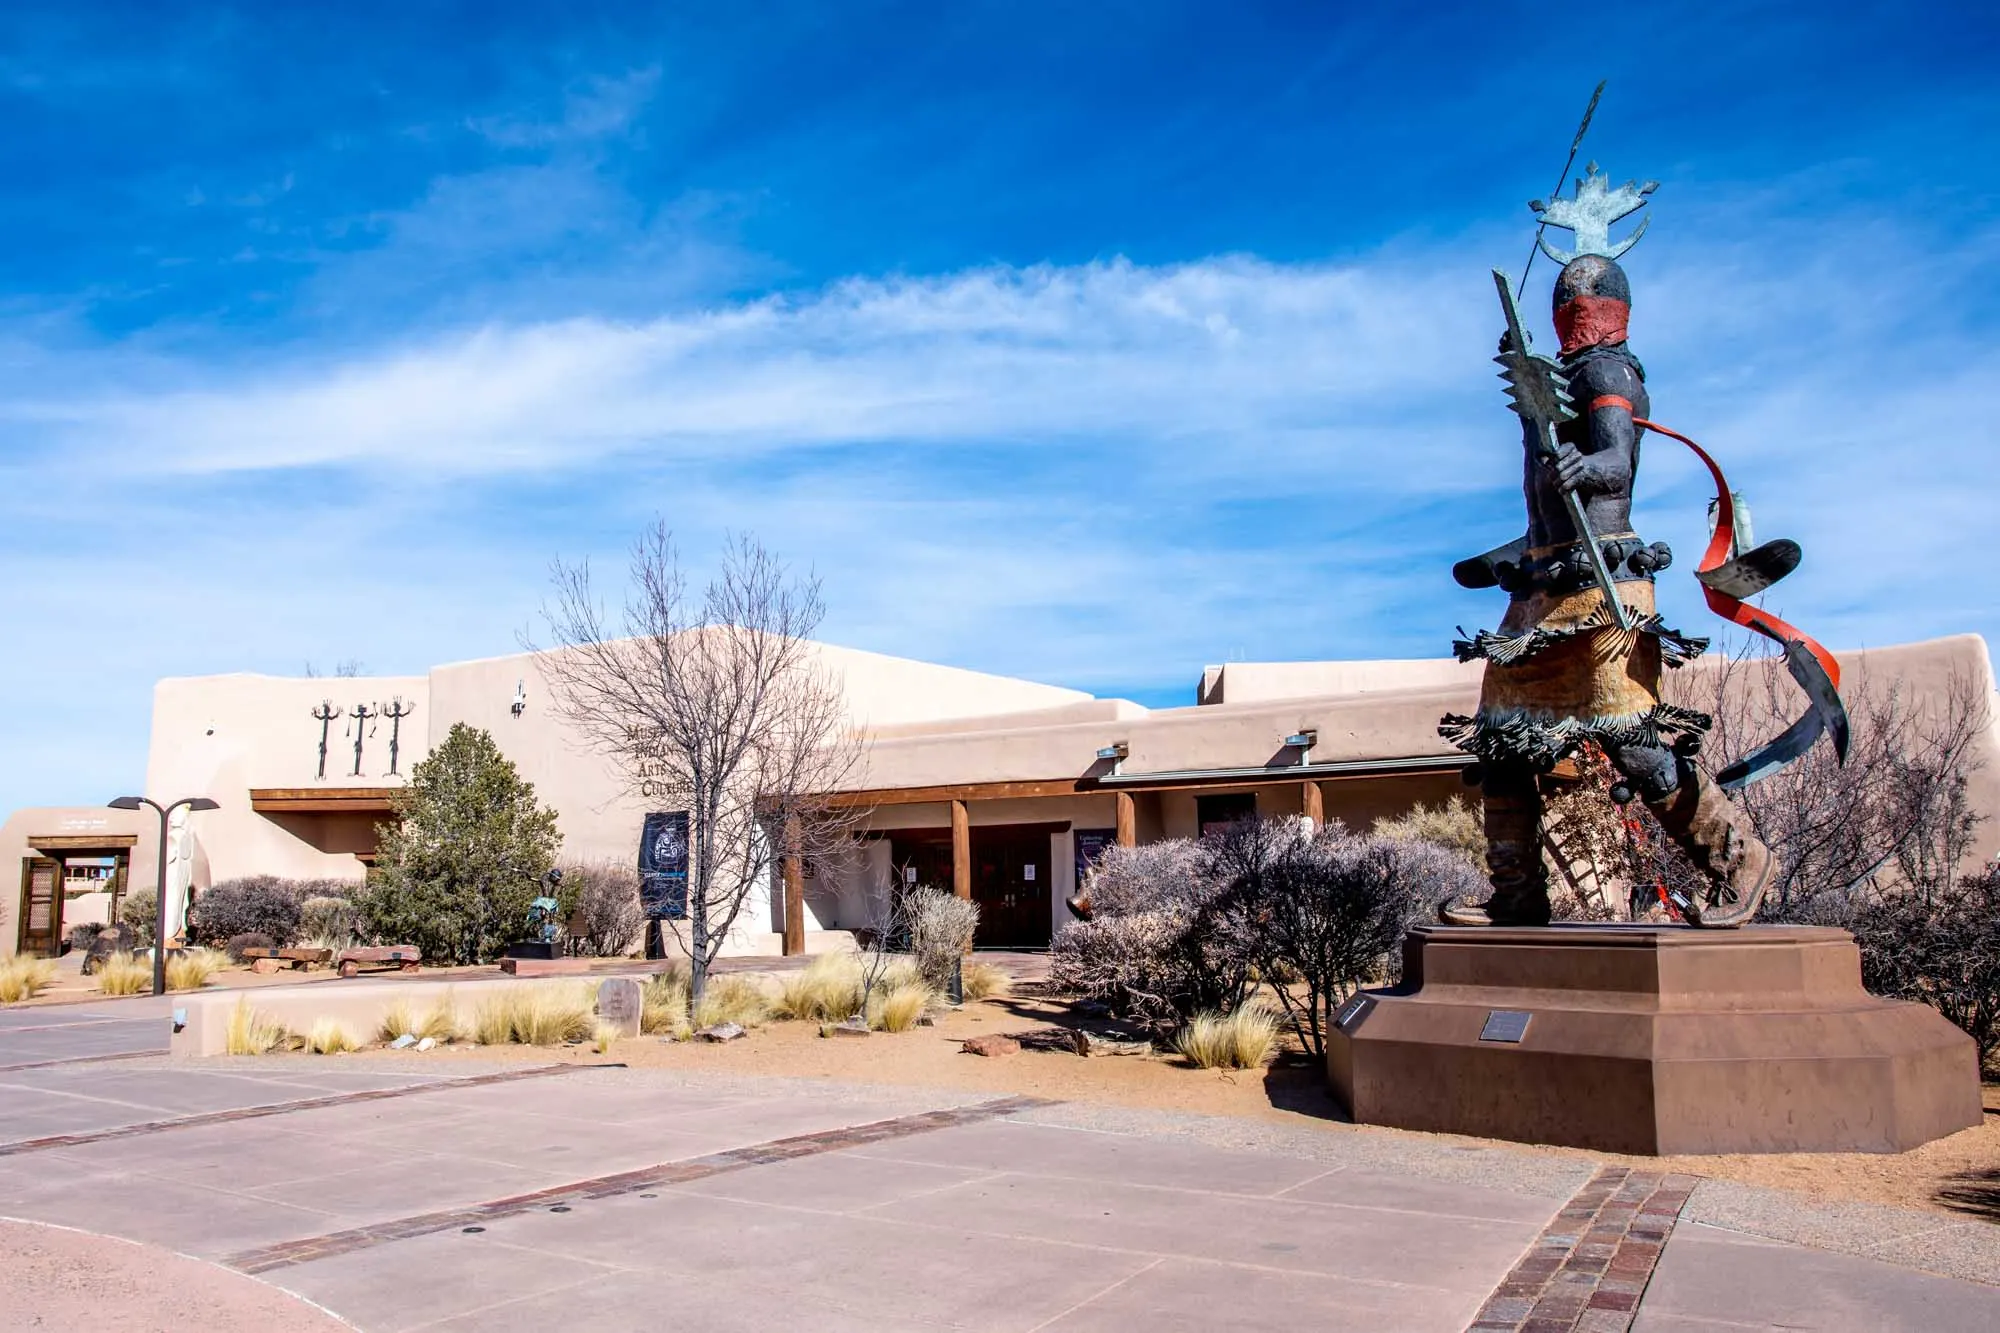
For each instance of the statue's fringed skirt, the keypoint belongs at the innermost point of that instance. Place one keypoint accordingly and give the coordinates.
(1560, 672)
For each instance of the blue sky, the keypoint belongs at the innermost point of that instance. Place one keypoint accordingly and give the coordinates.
(1090, 343)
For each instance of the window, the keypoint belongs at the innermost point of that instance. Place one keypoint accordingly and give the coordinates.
(1216, 813)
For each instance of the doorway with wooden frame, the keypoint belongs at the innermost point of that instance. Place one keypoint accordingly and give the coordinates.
(61, 869)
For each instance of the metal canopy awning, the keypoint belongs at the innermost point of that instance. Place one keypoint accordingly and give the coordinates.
(1347, 768)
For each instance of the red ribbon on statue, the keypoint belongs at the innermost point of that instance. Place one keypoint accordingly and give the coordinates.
(1723, 575)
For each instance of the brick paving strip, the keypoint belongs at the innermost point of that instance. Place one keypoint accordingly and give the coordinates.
(290, 1253)
(283, 1108)
(1587, 1270)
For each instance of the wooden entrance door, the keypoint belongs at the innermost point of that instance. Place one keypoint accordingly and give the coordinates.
(41, 906)
(1010, 882)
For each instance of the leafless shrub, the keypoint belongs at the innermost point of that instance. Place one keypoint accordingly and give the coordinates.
(1941, 948)
(941, 926)
(1329, 909)
(1895, 816)
(608, 919)
(1452, 824)
(717, 704)
(1150, 950)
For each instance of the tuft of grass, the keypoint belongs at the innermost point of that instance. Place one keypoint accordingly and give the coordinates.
(251, 1033)
(439, 1022)
(664, 1003)
(826, 989)
(193, 968)
(534, 1016)
(328, 1037)
(602, 1040)
(23, 977)
(898, 1009)
(732, 1000)
(984, 981)
(1243, 1038)
(398, 1020)
(122, 974)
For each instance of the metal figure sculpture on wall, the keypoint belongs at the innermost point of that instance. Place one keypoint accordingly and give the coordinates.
(395, 710)
(362, 715)
(324, 715)
(1577, 658)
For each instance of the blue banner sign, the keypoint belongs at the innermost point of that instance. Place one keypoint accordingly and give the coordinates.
(663, 865)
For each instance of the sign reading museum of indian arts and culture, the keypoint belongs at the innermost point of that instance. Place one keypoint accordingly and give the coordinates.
(663, 865)
(1575, 663)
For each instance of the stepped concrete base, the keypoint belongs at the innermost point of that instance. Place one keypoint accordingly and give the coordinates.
(1651, 1039)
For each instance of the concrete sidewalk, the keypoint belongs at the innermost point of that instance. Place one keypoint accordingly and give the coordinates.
(402, 1194)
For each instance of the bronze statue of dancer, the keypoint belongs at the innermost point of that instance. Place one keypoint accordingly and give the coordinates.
(1578, 656)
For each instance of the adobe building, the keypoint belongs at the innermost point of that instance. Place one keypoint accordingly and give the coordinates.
(998, 788)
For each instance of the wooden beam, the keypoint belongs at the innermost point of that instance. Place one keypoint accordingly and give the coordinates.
(82, 842)
(1128, 820)
(1315, 805)
(795, 893)
(961, 851)
(323, 800)
(961, 791)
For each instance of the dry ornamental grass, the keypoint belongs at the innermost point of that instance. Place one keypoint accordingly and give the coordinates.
(1244, 1038)
(193, 968)
(122, 974)
(899, 1009)
(535, 1016)
(253, 1033)
(732, 1000)
(23, 977)
(329, 1037)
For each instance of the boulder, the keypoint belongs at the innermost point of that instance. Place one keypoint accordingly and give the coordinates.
(720, 1032)
(991, 1045)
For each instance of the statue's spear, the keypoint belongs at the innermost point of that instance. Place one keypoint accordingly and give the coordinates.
(1574, 144)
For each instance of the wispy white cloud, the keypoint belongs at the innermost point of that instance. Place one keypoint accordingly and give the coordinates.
(1104, 474)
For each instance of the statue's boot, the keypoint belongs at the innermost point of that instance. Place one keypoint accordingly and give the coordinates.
(1716, 835)
(1513, 863)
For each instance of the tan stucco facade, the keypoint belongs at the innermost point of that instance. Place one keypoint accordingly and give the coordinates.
(1016, 759)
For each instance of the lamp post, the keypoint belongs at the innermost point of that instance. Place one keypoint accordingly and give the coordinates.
(193, 803)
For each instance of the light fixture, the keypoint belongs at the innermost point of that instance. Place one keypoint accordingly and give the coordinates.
(520, 704)
(1303, 741)
(1115, 754)
(166, 813)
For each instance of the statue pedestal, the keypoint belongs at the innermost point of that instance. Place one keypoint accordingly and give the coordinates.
(1651, 1039)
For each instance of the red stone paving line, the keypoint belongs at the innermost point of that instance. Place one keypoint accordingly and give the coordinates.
(81, 1060)
(1589, 1268)
(290, 1253)
(284, 1108)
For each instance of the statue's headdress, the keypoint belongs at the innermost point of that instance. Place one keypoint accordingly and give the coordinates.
(1590, 215)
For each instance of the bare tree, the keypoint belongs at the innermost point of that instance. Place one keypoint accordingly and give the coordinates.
(719, 703)
(1896, 816)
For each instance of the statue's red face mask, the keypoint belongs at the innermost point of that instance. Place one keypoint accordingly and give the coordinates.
(1591, 321)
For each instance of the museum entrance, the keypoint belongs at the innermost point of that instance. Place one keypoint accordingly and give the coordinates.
(1010, 877)
(1010, 882)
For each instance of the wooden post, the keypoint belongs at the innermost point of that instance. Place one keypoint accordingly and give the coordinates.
(1128, 821)
(795, 893)
(961, 850)
(1315, 805)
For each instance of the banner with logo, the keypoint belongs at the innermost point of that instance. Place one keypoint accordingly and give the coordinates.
(663, 865)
